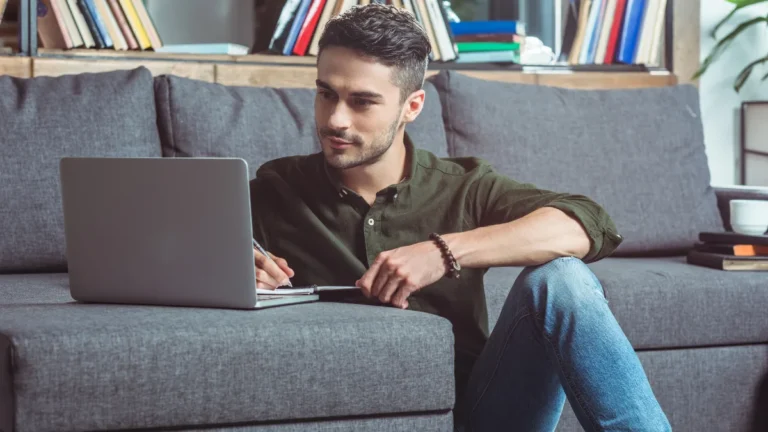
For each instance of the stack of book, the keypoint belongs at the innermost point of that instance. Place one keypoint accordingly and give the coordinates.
(614, 31)
(489, 41)
(301, 23)
(730, 251)
(104, 24)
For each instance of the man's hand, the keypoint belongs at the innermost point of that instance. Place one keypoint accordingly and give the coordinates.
(270, 275)
(397, 273)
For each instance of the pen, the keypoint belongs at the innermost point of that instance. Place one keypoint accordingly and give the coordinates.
(261, 249)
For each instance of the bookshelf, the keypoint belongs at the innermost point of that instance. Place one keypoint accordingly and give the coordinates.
(681, 46)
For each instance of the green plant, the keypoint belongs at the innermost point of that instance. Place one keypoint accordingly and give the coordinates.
(723, 43)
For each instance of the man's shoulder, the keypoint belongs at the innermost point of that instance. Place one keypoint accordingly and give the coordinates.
(453, 166)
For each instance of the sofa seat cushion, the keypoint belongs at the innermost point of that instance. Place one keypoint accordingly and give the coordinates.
(102, 367)
(667, 303)
(258, 124)
(42, 119)
(639, 153)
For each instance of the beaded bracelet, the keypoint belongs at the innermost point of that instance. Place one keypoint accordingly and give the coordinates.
(452, 266)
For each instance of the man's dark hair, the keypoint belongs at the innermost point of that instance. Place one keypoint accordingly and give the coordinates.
(390, 35)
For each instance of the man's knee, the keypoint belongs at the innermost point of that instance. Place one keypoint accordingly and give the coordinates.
(563, 283)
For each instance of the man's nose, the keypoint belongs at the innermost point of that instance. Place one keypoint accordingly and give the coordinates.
(340, 118)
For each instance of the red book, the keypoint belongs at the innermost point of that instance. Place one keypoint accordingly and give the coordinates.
(308, 27)
(618, 20)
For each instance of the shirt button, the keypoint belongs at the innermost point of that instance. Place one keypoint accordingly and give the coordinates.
(370, 221)
(394, 196)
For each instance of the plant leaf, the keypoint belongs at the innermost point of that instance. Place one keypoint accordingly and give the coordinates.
(739, 4)
(746, 72)
(723, 43)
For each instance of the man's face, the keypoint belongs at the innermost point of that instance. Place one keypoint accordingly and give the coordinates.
(358, 109)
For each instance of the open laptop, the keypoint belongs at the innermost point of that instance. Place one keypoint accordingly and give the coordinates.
(161, 231)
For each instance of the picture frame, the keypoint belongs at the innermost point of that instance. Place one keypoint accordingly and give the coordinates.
(754, 143)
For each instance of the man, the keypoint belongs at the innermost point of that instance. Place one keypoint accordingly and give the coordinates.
(399, 223)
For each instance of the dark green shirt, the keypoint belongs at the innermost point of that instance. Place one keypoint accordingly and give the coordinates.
(329, 235)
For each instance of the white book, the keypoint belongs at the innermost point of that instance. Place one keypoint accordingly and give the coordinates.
(594, 16)
(605, 31)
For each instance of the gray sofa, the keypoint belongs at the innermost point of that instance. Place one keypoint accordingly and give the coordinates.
(701, 334)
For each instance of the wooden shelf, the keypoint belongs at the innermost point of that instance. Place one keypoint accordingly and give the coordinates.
(279, 71)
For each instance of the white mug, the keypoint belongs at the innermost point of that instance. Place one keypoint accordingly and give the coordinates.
(749, 216)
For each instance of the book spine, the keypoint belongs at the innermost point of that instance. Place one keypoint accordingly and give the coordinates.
(485, 27)
(618, 22)
(308, 28)
(100, 27)
(91, 24)
(122, 22)
(630, 33)
(296, 27)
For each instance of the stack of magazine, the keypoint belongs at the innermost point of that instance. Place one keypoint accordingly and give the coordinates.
(730, 251)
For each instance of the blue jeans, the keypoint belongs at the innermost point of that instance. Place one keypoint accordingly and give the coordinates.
(557, 338)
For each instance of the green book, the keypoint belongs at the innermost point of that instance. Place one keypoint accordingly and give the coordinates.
(487, 46)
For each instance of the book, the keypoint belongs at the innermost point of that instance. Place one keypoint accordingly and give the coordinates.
(301, 14)
(426, 22)
(51, 27)
(283, 26)
(147, 24)
(445, 43)
(574, 56)
(308, 28)
(305, 290)
(485, 27)
(135, 23)
(605, 31)
(727, 262)
(91, 23)
(732, 238)
(330, 6)
(630, 33)
(732, 249)
(465, 47)
(490, 37)
(618, 22)
(80, 23)
(110, 24)
(98, 22)
(122, 22)
(508, 56)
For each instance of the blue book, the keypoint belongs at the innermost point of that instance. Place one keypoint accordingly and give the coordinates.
(99, 23)
(487, 27)
(630, 32)
(301, 15)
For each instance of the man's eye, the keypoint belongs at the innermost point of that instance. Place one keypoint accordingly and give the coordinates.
(363, 102)
(325, 94)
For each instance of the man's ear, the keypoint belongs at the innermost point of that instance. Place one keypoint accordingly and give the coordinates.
(413, 106)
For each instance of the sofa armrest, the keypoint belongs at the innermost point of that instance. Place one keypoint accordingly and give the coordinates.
(727, 193)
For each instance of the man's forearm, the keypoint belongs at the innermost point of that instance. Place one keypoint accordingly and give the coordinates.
(536, 238)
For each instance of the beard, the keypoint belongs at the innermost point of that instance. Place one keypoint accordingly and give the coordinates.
(360, 153)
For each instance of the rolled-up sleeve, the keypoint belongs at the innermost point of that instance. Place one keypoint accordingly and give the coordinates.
(498, 199)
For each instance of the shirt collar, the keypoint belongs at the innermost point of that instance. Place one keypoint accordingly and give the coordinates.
(410, 155)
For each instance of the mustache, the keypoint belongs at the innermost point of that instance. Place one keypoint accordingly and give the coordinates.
(330, 133)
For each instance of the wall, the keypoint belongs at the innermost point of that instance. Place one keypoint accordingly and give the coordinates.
(720, 104)
(204, 21)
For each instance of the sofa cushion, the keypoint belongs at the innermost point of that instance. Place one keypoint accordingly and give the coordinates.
(43, 119)
(146, 367)
(259, 124)
(637, 152)
(666, 303)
